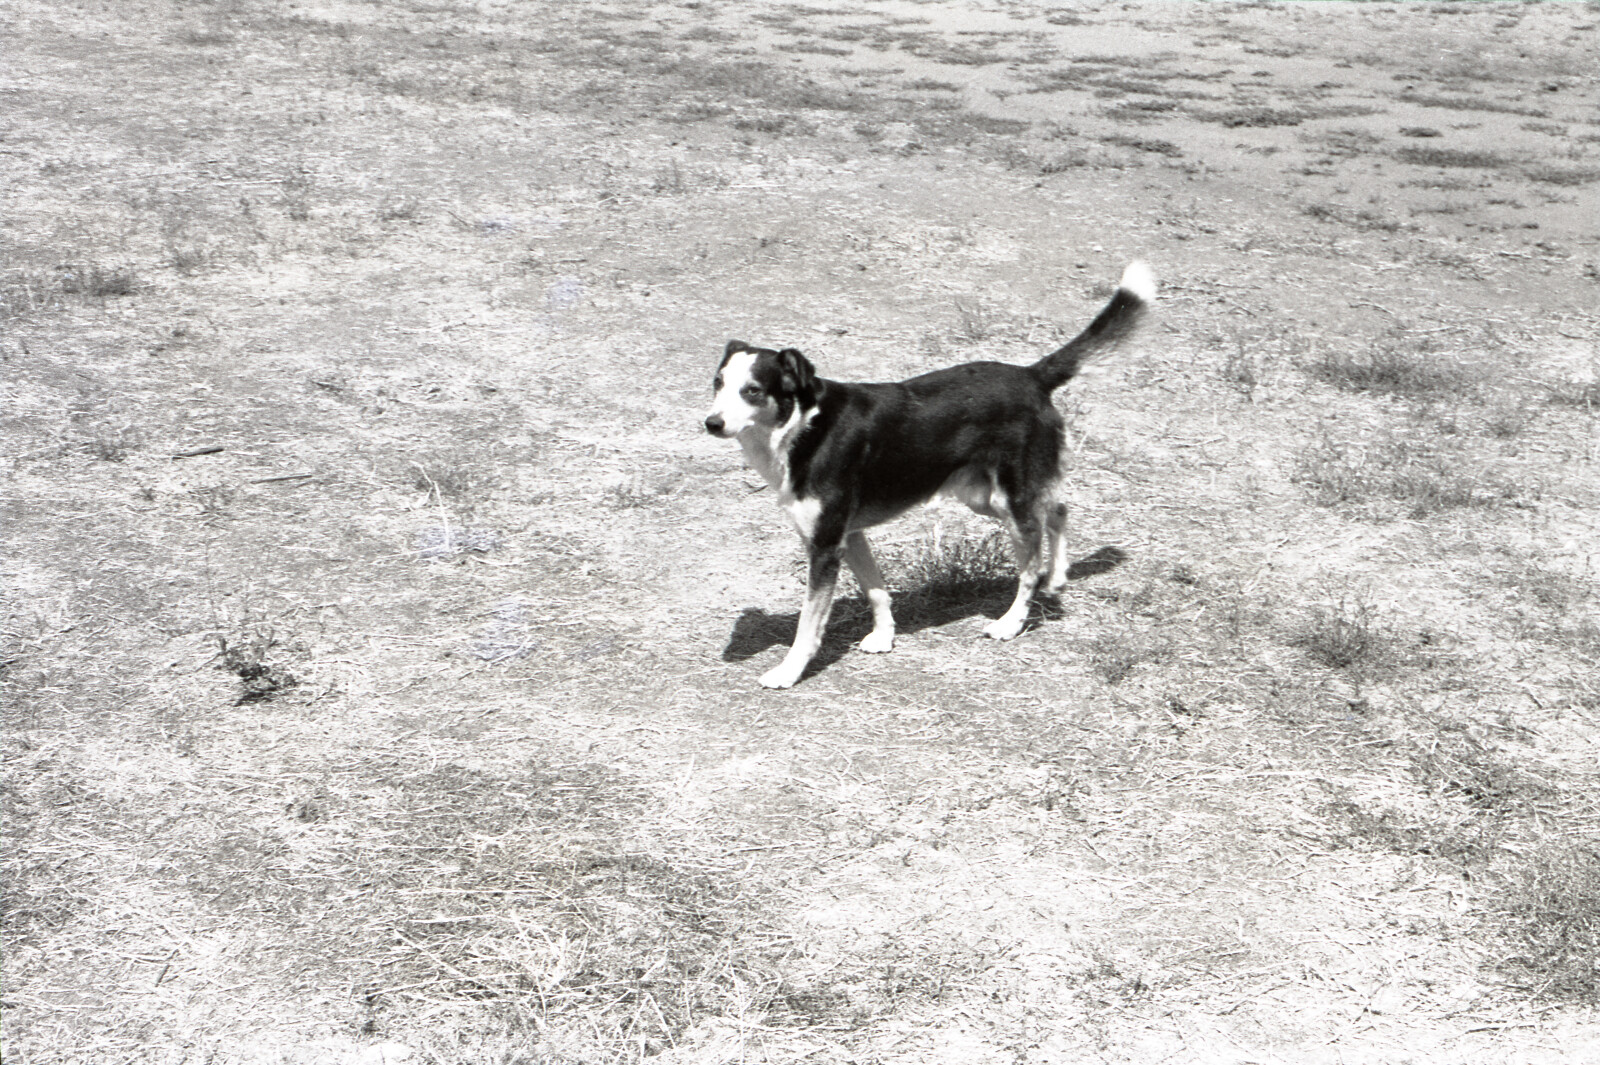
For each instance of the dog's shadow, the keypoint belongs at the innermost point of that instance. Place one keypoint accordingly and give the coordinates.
(930, 606)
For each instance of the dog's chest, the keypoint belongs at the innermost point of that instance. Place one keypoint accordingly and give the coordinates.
(768, 453)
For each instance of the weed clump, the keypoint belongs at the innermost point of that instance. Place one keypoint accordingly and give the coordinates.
(1115, 656)
(259, 680)
(1343, 636)
(1389, 369)
(1549, 911)
(956, 565)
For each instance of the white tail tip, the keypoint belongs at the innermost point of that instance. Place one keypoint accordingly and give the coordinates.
(1138, 280)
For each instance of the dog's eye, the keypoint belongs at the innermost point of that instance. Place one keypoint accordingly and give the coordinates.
(716, 383)
(751, 393)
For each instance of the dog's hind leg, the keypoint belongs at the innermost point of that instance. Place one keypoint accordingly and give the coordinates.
(820, 582)
(1027, 537)
(1055, 524)
(862, 564)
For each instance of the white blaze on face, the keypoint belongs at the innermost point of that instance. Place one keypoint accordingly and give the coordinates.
(738, 398)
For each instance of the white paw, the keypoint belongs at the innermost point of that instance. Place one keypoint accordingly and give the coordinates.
(1002, 629)
(877, 642)
(782, 675)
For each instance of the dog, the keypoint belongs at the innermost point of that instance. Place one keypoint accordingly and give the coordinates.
(844, 457)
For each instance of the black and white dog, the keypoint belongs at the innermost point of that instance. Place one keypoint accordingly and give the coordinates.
(845, 456)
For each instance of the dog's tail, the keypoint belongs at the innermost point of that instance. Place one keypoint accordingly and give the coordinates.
(1115, 323)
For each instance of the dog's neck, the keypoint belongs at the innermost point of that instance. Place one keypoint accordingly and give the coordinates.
(766, 447)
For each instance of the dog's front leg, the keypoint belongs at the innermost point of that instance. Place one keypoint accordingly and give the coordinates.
(865, 567)
(820, 582)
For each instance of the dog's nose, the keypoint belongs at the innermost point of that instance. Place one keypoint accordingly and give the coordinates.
(714, 424)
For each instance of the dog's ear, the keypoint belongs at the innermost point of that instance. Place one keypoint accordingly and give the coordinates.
(799, 376)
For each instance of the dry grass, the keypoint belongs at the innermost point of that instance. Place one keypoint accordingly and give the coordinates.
(381, 630)
(1395, 368)
(1549, 911)
(1425, 475)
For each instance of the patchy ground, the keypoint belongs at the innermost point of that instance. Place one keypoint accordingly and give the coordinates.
(382, 633)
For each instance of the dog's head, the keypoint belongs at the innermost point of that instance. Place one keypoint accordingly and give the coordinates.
(759, 387)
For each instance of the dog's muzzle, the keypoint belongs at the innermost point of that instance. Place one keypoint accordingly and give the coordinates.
(715, 425)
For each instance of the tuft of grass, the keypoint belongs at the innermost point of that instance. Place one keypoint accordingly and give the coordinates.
(399, 209)
(206, 38)
(976, 321)
(1239, 365)
(956, 562)
(1237, 117)
(111, 445)
(246, 658)
(635, 494)
(1343, 636)
(454, 477)
(1449, 157)
(97, 281)
(294, 193)
(1556, 175)
(1142, 144)
(790, 124)
(944, 571)
(1548, 910)
(30, 291)
(1456, 765)
(1115, 655)
(1390, 369)
(1469, 841)
(1474, 103)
